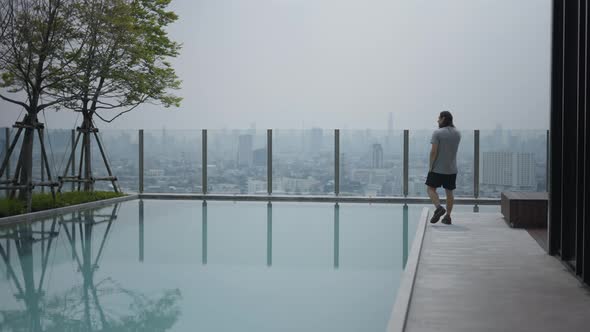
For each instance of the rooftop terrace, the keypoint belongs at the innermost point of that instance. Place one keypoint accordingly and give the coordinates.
(481, 275)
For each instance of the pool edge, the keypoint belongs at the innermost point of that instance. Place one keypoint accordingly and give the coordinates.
(399, 313)
(27, 217)
(315, 198)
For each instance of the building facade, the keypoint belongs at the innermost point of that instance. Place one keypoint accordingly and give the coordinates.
(509, 169)
(569, 183)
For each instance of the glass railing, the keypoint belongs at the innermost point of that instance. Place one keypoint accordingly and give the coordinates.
(236, 161)
(303, 162)
(371, 163)
(512, 160)
(172, 161)
(368, 163)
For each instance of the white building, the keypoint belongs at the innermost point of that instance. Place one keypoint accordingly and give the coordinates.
(257, 187)
(509, 169)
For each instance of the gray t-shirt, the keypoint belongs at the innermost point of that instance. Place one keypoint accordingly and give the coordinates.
(448, 139)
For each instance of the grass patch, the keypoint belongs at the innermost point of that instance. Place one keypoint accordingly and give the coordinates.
(11, 207)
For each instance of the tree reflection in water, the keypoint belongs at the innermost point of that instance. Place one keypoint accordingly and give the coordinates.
(79, 308)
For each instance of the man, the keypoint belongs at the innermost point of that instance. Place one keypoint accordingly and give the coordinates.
(443, 165)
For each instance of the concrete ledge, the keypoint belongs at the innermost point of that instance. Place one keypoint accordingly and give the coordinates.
(27, 217)
(318, 198)
(399, 314)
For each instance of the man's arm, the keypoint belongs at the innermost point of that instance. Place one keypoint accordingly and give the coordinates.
(433, 154)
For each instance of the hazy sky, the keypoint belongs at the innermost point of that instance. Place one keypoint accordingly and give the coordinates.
(347, 64)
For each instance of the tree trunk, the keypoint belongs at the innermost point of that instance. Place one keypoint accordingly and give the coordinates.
(25, 176)
(87, 127)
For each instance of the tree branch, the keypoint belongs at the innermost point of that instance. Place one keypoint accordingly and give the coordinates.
(118, 115)
(15, 102)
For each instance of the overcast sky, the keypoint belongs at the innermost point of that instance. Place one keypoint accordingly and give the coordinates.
(347, 64)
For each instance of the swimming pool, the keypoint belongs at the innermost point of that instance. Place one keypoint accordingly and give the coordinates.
(207, 266)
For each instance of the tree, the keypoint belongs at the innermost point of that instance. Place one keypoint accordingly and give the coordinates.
(3, 18)
(122, 66)
(41, 38)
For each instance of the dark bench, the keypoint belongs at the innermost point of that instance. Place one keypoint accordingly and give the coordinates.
(525, 209)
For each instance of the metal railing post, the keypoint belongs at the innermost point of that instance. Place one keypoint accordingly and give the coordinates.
(476, 163)
(73, 171)
(336, 162)
(406, 161)
(6, 148)
(204, 161)
(269, 161)
(547, 162)
(140, 161)
(43, 161)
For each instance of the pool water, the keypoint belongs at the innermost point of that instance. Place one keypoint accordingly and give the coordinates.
(174, 265)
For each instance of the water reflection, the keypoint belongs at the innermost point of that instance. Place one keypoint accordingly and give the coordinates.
(141, 237)
(405, 235)
(79, 308)
(269, 234)
(88, 222)
(94, 295)
(204, 233)
(25, 238)
(8, 255)
(336, 235)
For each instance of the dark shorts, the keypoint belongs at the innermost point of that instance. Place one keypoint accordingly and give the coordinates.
(447, 181)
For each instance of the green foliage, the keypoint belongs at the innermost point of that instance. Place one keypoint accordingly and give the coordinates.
(44, 201)
(10, 207)
(38, 41)
(124, 61)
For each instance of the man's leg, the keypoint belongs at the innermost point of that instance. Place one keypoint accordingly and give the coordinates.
(439, 211)
(433, 196)
(449, 185)
(450, 201)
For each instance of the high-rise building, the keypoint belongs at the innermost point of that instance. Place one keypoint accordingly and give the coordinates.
(510, 169)
(245, 150)
(377, 160)
(259, 157)
(525, 170)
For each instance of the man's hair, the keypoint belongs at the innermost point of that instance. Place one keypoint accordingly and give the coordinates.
(447, 119)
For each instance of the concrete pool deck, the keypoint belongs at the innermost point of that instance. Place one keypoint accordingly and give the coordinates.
(481, 275)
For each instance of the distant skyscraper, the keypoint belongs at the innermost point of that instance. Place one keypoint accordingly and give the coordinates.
(377, 156)
(510, 169)
(497, 168)
(245, 150)
(259, 157)
(525, 170)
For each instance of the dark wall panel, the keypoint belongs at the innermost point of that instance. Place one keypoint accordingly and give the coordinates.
(569, 230)
(555, 131)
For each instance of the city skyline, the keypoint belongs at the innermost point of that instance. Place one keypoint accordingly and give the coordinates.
(303, 161)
